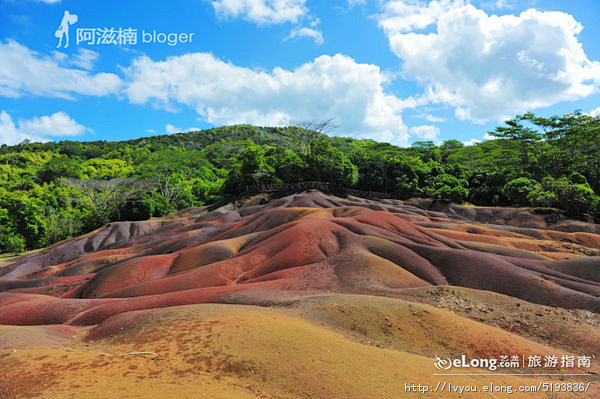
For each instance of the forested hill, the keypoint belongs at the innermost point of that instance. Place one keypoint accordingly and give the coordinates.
(52, 191)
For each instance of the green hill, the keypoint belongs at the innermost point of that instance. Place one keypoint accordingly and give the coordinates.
(53, 191)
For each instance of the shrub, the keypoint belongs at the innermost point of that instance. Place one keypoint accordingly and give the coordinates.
(517, 190)
(10, 241)
(578, 178)
(574, 198)
(449, 187)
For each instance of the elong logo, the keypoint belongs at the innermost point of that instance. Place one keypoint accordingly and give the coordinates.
(442, 364)
(462, 362)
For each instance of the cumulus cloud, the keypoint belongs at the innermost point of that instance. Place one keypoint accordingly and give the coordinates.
(474, 140)
(426, 132)
(23, 71)
(262, 12)
(37, 128)
(58, 124)
(222, 93)
(170, 129)
(595, 112)
(402, 16)
(488, 66)
(48, 1)
(310, 33)
(9, 134)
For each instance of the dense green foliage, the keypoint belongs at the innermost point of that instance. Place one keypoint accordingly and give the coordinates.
(53, 191)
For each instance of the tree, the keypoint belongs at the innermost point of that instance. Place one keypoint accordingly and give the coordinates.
(62, 224)
(287, 165)
(515, 130)
(171, 185)
(520, 138)
(449, 147)
(105, 197)
(486, 187)
(577, 138)
(22, 214)
(58, 167)
(251, 168)
(562, 153)
(309, 130)
(327, 163)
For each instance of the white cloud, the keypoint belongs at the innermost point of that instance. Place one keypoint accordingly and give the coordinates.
(48, 1)
(58, 124)
(474, 141)
(222, 93)
(9, 134)
(595, 112)
(85, 59)
(401, 16)
(426, 132)
(352, 3)
(23, 71)
(262, 12)
(314, 34)
(60, 57)
(431, 118)
(498, 4)
(488, 66)
(506, 4)
(38, 128)
(170, 129)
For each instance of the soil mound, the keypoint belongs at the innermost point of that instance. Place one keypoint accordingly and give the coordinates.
(326, 287)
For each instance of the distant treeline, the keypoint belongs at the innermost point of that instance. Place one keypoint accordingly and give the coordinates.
(53, 191)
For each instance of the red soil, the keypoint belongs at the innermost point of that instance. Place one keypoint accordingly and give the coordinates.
(300, 243)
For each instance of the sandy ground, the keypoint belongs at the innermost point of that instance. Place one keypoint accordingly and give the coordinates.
(234, 351)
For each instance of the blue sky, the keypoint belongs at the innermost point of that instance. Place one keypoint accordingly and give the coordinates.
(390, 70)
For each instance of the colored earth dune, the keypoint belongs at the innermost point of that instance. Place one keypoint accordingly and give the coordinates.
(307, 295)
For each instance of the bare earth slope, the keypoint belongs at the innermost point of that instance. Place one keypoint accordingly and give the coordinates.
(303, 296)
